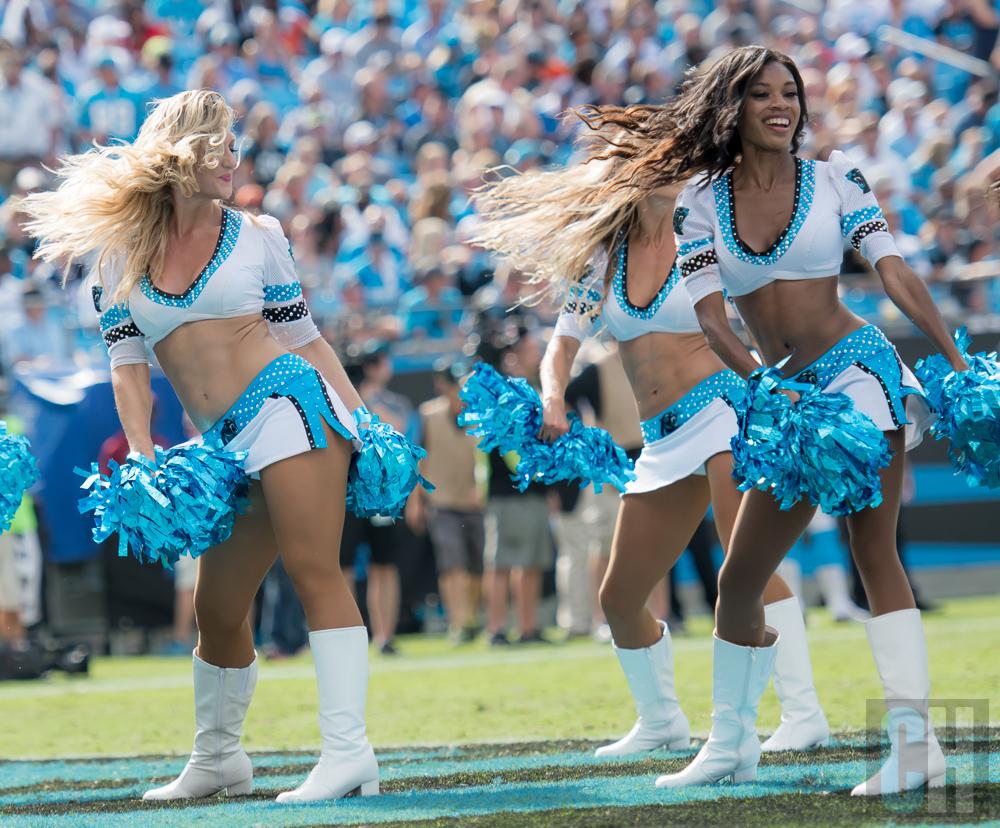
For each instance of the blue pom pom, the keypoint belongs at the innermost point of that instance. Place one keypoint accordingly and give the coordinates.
(184, 503)
(968, 404)
(18, 473)
(506, 414)
(384, 471)
(819, 447)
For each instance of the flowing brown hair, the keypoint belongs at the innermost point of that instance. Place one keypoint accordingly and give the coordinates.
(551, 223)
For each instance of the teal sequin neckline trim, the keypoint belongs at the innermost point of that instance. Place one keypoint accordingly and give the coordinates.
(620, 283)
(725, 206)
(229, 231)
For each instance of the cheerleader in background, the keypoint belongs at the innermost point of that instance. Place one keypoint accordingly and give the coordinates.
(604, 230)
(214, 292)
(768, 227)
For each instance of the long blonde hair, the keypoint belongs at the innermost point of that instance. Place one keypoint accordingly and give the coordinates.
(550, 224)
(117, 200)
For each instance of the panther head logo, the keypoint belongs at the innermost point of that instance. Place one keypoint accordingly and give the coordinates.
(856, 177)
(680, 214)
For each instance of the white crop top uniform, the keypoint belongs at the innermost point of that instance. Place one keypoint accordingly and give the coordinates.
(251, 272)
(678, 441)
(283, 410)
(669, 311)
(833, 204)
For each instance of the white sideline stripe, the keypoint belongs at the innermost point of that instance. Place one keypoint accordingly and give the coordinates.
(490, 658)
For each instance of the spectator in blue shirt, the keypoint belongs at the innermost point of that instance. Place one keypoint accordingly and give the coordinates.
(433, 308)
(160, 81)
(38, 337)
(110, 111)
(423, 35)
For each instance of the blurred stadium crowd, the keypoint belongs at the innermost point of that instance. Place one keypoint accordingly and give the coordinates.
(364, 126)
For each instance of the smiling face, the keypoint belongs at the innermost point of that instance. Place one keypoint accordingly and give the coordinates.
(771, 111)
(217, 181)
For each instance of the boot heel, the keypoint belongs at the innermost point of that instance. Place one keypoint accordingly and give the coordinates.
(239, 789)
(748, 774)
(369, 788)
(937, 781)
(680, 744)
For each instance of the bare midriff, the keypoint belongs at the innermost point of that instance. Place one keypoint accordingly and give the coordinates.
(663, 367)
(211, 362)
(800, 319)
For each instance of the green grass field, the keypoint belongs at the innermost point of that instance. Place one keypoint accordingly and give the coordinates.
(472, 709)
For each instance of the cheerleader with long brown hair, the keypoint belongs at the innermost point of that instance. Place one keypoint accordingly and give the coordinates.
(600, 233)
(768, 228)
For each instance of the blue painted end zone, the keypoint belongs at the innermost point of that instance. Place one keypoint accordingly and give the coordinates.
(593, 792)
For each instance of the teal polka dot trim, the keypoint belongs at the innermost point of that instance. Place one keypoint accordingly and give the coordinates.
(725, 205)
(725, 385)
(620, 284)
(282, 293)
(867, 349)
(290, 377)
(229, 232)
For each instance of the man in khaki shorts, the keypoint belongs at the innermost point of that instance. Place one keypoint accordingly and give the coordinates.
(518, 534)
(518, 550)
(453, 513)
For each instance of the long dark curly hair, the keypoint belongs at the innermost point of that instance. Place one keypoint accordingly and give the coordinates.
(694, 132)
(550, 223)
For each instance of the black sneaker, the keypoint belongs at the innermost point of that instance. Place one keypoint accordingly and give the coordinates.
(499, 639)
(388, 649)
(466, 635)
(533, 637)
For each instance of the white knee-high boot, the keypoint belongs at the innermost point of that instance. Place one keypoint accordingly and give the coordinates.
(900, 652)
(803, 724)
(790, 571)
(218, 763)
(832, 580)
(661, 723)
(739, 678)
(347, 761)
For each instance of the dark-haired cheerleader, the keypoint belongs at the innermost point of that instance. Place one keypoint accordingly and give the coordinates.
(769, 228)
(602, 230)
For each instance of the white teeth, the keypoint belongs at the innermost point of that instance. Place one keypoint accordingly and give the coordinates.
(777, 122)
